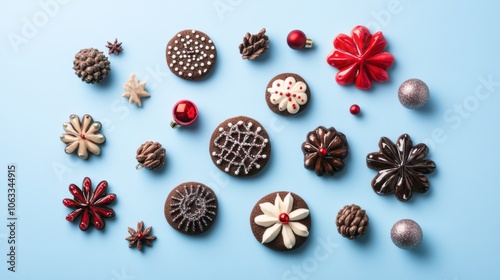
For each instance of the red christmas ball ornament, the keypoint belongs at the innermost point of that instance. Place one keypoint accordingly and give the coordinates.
(184, 112)
(297, 40)
(355, 110)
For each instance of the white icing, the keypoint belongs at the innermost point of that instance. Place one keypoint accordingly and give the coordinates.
(270, 220)
(240, 147)
(288, 94)
(192, 48)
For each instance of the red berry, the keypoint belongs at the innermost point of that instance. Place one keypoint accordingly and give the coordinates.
(284, 218)
(355, 109)
(140, 236)
(322, 151)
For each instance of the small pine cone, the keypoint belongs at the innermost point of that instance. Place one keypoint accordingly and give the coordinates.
(254, 45)
(151, 155)
(91, 65)
(352, 221)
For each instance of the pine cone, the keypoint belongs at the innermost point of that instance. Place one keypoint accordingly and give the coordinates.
(352, 221)
(151, 155)
(254, 45)
(91, 65)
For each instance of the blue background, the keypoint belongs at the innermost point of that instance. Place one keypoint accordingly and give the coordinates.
(452, 46)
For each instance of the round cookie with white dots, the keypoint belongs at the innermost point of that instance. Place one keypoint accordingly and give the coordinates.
(240, 146)
(191, 54)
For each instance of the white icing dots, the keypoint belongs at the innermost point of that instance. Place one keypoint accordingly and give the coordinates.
(194, 51)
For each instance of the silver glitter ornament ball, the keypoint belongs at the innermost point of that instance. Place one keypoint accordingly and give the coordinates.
(406, 234)
(413, 93)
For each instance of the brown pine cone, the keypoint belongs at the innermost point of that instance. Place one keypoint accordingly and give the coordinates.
(151, 155)
(254, 45)
(91, 65)
(352, 221)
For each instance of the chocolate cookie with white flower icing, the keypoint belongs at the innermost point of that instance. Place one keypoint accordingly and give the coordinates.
(240, 146)
(287, 94)
(281, 221)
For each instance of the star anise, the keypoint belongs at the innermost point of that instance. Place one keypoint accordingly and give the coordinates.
(115, 47)
(401, 167)
(325, 150)
(90, 204)
(140, 236)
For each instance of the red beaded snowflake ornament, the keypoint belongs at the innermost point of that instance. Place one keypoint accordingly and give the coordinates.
(91, 205)
(360, 58)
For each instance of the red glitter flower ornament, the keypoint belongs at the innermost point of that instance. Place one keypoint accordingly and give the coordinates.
(359, 58)
(90, 204)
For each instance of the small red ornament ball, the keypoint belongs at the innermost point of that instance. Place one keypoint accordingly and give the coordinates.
(184, 112)
(284, 218)
(355, 110)
(297, 40)
(322, 151)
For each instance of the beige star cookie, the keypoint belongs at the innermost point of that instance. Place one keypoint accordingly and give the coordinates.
(134, 90)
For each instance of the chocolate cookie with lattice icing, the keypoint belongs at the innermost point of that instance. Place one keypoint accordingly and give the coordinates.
(191, 54)
(240, 146)
(191, 208)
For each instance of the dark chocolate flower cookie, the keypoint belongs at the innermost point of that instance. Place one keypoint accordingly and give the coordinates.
(325, 150)
(401, 167)
(240, 146)
(191, 54)
(191, 208)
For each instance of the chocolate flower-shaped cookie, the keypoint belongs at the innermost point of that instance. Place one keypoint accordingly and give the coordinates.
(401, 167)
(325, 150)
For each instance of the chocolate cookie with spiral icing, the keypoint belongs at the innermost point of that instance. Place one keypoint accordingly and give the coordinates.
(191, 54)
(191, 208)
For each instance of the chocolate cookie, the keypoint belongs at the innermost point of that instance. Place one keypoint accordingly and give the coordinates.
(287, 94)
(240, 146)
(281, 221)
(191, 208)
(325, 150)
(191, 54)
